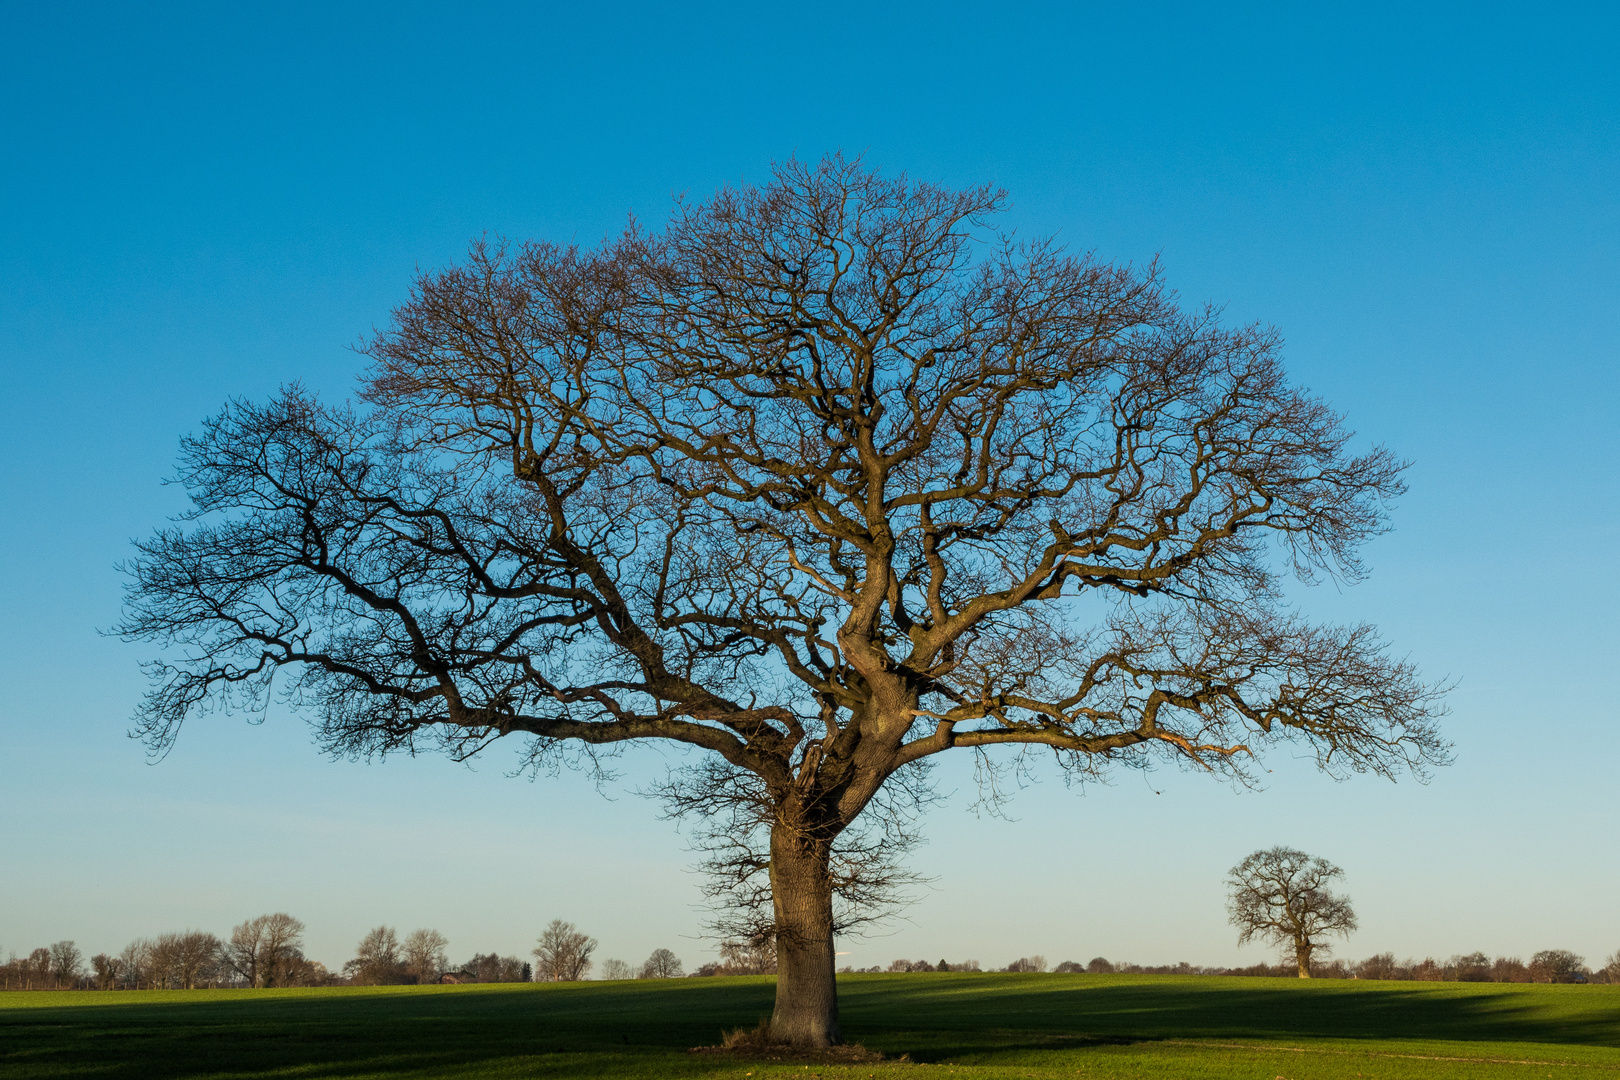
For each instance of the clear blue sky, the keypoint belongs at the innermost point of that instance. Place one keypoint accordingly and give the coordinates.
(210, 201)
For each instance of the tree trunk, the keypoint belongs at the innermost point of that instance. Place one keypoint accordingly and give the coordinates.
(806, 988)
(1302, 953)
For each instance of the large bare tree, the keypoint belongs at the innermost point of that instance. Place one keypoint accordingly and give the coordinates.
(1281, 895)
(822, 480)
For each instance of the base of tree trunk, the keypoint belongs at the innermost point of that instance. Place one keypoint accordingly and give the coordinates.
(806, 1012)
(757, 1044)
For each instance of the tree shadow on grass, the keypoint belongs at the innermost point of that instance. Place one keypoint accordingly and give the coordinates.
(1158, 1007)
(474, 1030)
(930, 1047)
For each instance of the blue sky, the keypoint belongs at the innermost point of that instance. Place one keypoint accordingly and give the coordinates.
(206, 202)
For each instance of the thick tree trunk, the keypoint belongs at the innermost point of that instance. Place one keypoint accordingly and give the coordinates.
(1302, 953)
(806, 989)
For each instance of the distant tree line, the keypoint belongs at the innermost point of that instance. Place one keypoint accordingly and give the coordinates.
(383, 958)
(753, 956)
(262, 952)
(904, 966)
(268, 951)
(1547, 966)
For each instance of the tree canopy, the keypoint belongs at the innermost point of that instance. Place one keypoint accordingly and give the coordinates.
(825, 478)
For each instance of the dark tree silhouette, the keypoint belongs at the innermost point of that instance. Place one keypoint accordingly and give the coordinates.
(66, 964)
(1281, 895)
(756, 956)
(1556, 966)
(266, 950)
(423, 955)
(824, 480)
(662, 964)
(563, 954)
(378, 960)
(107, 969)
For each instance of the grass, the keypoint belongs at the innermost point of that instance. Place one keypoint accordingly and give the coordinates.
(969, 1026)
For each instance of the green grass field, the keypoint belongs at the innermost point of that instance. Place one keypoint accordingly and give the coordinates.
(990, 1026)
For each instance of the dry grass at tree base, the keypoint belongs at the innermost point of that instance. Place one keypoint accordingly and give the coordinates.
(756, 1044)
(975, 1027)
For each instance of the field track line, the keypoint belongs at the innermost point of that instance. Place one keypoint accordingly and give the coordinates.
(1382, 1054)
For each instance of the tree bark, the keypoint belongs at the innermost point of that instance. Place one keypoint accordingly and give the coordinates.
(806, 1011)
(1302, 953)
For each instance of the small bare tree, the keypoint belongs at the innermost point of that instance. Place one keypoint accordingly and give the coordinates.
(1556, 966)
(377, 960)
(749, 956)
(563, 953)
(826, 479)
(424, 955)
(66, 965)
(1509, 969)
(263, 950)
(196, 958)
(1281, 895)
(1378, 966)
(1472, 967)
(614, 970)
(662, 964)
(165, 969)
(135, 962)
(107, 969)
(37, 974)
